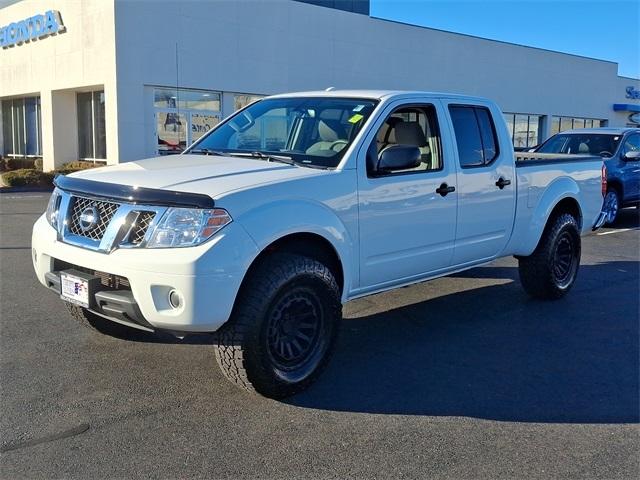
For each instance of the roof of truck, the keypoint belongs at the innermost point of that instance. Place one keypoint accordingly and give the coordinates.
(374, 94)
(604, 130)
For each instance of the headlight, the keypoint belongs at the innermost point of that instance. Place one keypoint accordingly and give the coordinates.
(52, 208)
(186, 227)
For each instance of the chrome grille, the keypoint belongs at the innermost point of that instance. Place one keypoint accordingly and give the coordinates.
(104, 224)
(139, 229)
(105, 211)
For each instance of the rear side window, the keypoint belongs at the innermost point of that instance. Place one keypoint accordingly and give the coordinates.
(475, 135)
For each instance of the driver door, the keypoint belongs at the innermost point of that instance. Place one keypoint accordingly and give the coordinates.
(407, 228)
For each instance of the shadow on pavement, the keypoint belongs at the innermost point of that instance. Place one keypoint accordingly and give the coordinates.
(493, 353)
(489, 352)
(627, 218)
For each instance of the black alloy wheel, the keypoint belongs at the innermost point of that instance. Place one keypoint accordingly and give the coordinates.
(564, 262)
(296, 333)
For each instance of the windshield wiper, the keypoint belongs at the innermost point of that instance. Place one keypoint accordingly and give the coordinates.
(262, 156)
(275, 158)
(267, 157)
(208, 151)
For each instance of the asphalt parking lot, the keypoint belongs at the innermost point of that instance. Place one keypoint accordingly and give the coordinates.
(462, 377)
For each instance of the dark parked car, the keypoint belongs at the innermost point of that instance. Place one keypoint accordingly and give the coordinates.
(620, 149)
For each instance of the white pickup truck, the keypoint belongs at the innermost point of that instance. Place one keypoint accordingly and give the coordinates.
(298, 203)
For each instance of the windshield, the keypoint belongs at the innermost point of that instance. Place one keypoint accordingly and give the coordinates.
(602, 144)
(309, 131)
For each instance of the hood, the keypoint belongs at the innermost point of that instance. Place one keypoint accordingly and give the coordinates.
(209, 175)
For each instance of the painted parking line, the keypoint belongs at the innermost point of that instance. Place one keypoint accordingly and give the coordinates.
(618, 230)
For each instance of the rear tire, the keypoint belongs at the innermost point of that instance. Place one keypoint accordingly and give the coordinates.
(611, 204)
(283, 327)
(550, 271)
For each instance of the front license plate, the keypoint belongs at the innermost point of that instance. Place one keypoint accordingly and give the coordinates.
(74, 289)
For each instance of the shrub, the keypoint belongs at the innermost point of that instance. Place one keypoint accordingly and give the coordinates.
(33, 177)
(18, 163)
(27, 177)
(79, 165)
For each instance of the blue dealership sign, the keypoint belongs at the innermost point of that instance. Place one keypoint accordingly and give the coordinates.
(633, 93)
(33, 28)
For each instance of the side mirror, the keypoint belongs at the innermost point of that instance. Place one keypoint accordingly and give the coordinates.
(631, 156)
(398, 157)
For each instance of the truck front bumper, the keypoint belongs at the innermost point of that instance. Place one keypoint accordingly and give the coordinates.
(206, 278)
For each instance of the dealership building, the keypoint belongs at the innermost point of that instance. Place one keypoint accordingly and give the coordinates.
(115, 81)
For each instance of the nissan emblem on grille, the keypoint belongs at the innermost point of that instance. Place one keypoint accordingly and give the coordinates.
(89, 218)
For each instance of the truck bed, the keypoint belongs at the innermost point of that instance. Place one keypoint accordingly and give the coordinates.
(528, 159)
(541, 179)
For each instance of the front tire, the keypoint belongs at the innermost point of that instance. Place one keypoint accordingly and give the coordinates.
(91, 321)
(551, 270)
(283, 327)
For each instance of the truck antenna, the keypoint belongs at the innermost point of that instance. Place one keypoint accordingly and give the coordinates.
(177, 85)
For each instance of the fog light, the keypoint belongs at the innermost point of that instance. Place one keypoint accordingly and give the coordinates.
(174, 299)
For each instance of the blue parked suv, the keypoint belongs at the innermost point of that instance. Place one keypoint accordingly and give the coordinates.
(620, 150)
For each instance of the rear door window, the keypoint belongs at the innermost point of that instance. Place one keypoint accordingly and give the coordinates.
(488, 135)
(475, 135)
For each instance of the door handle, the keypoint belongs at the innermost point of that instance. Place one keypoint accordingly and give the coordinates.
(444, 189)
(501, 183)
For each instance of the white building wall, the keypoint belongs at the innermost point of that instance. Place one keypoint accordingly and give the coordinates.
(81, 58)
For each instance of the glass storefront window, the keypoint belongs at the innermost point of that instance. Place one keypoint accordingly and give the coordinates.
(565, 123)
(241, 100)
(7, 127)
(521, 131)
(165, 98)
(183, 116)
(560, 124)
(186, 99)
(92, 136)
(31, 126)
(100, 132)
(21, 127)
(534, 131)
(509, 119)
(555, 125)
(198, 100)
(201, 124)
(524, 129)
(19, 132)
(85, 125)
(172, 132)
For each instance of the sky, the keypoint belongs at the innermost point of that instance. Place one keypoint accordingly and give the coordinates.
(605, 29)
